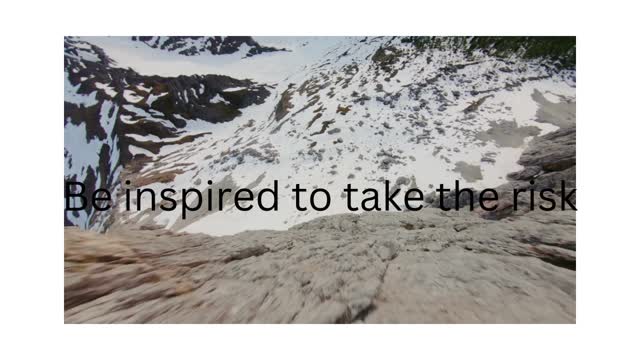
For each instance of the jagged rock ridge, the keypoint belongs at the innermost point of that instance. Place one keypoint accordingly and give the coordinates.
(113, 116)
(214, 45)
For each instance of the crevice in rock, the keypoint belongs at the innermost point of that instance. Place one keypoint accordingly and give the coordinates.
(364, 313)
(560, 261)
(246, 253)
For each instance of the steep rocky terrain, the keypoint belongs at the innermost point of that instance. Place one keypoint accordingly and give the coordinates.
(414, 111)
(362, 110)
(115, 116)
(410, 267)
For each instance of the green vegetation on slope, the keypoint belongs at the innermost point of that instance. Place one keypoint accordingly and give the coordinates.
(559, 49)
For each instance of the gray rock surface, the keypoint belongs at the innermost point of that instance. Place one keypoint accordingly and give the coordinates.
(548, 161)
(424, 267)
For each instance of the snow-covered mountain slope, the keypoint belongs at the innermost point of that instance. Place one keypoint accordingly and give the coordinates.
(269, 67)
(359, 111)
(215, 45)
(115, 116)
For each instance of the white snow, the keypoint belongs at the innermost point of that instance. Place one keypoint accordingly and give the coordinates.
(148, 137)
(72, 96)
(267, 67)
(217, 99)
(234, 89)
(153, 97)
(135, 150)
(430, 160)
(295, 166)
(552, 97)
(106, 88)
(82, 153)
(132, 97)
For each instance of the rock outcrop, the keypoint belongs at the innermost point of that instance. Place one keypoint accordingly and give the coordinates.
(548, 161)
(424, 267)
(197, 45)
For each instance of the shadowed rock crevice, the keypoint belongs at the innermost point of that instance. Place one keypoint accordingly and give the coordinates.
(246, 253)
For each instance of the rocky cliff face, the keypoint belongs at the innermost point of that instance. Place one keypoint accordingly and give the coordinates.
(114, 116)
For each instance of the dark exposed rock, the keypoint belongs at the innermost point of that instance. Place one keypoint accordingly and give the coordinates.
(525, 174)
(196, 45)
(386, 57)
(542, 156)
(549, 162)
(552, 152)
(118, 93)
(284, 105)
(503, 208)
(246, 253)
